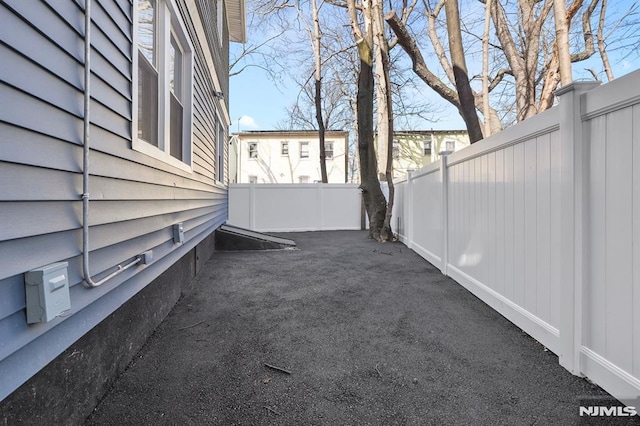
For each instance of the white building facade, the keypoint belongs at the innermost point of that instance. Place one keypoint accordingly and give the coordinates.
(287, 157)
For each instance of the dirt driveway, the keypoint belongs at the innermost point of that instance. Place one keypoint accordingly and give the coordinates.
(367, 333)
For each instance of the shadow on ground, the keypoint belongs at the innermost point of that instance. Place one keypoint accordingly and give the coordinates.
(370, 334)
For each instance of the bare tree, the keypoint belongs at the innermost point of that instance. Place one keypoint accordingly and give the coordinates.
(385, 108)
(526, 55)
(465, 94)
(318, 89)
(375, 202)
(562, 42)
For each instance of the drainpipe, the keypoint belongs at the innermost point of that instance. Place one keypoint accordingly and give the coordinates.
(88, 281)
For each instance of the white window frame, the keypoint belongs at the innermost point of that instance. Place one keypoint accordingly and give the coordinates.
(424, 147)
(304, 143)
(249, 150)
(284, 148)
(169, 22)
(326, 145)
(220, 147)
(450, 145)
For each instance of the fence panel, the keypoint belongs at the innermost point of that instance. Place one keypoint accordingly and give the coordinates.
(295, 207)
(610, 349)
(500, 224)
(427, 225)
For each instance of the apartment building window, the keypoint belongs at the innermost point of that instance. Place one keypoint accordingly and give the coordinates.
(451, 145)
(426, 147)
(163, 83)
(304, 149)
(253, 179)
(328, 150)
(284, 148)
(253, 149)
(303, 179)
(396, 150)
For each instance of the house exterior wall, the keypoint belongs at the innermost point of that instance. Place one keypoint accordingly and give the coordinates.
(134, 198)
(409, 149)
(269, 165)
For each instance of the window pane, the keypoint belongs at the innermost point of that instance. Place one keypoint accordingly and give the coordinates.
(175, 133)
(426, 148)
(304, 149)
(147, 29)
(328, 150)
(175, 68)
(147, 101)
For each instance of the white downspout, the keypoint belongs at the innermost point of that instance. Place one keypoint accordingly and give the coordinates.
(85, 162)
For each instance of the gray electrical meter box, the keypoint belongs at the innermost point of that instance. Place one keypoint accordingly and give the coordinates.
(47, 292)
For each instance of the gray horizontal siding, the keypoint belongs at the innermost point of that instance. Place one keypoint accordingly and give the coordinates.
(60, 334)
(21, 109)
(48, 23)
(44, 249)
(161, 241)
(33, 44)
(134, 199)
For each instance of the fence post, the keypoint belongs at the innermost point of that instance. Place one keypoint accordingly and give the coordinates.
(252, 206)
(320, 192)
(444, 163)
(408, 206)
(573, 212)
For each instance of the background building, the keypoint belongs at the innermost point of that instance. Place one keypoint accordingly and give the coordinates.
(289, 156)
(413, 149)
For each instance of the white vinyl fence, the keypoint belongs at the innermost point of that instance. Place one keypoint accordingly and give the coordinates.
(295, 207)
(542, 222)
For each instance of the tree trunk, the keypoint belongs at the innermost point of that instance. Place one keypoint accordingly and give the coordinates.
(374, 200)
(562, 41)
(601, 44)
(385, 111)
(467, 101)
(318, 91)
(485, 69)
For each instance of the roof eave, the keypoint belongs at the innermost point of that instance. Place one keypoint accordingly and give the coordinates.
(236, 21)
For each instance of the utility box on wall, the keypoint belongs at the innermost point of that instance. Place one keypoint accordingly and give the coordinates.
(47, 292)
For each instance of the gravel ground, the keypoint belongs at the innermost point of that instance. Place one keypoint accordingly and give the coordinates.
(367, 333)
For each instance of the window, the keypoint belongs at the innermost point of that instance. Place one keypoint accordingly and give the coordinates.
(304, 149)
(253, 149)
(284, 148)
(396, 150)
(222, 142)
(303, 179)
(426, 147)
(253, 179)
(328, 150)
(451, 145)
(163, 81)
